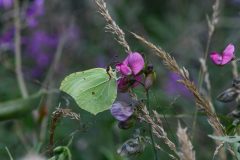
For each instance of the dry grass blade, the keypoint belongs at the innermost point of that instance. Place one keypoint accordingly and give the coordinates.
(205, 74)
(111, 26)
(214, 19)
(217, 150)
(186, 148)
(56, 116)
(201, 102)
(157, 128)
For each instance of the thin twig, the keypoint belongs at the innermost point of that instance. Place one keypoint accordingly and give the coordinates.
(48, 81)
(150, 128)
(235, 69)
(157, 127)
(17, 43)
(203, 74)
(56, 116)
(55, 62)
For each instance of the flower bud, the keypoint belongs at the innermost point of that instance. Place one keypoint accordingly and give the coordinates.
(150, 77)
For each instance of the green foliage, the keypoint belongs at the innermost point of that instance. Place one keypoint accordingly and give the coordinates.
(18, 108)
(61, 153)
(228, 139)
(94, 90)
(233, 140)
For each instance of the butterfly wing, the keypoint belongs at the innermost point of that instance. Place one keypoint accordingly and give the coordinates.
(92, 89)
(228, 54)
(216, 58)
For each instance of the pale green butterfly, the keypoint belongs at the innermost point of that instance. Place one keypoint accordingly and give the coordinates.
(94, 90)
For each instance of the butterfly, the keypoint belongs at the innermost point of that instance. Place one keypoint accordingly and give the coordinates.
(225, 57)
(94, 90)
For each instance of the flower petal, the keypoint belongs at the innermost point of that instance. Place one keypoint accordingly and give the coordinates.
(136, 62)
(216, 58)
(137, 81)
(228, 54)
(123, 84)
(121, 111)
(123, 69)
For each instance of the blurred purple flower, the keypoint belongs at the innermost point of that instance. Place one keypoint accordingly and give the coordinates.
(235, 2)
(40, 46)
(35, 9)
(6, 4)
(121, 111)
(6, 40)
(172, 87)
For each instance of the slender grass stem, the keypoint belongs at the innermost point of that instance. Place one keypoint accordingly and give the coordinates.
(9, 153)
(200, 80)
(150, 128)
(17, 44)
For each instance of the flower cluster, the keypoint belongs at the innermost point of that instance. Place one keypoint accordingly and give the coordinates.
(130, 70)
(38, 44)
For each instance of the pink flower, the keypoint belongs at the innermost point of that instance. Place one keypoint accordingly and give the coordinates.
(225, 57)
(130, 69)
(133, 64)
(125, 83)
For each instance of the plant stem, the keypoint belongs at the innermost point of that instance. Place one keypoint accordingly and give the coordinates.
(17, 44)
(150, 128)
(9, 153)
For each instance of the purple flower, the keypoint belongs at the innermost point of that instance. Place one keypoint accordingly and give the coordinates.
(40, 47)
(6, 4)
(172, 87)
(121, 111)
(133, 64)
(6, 39)
(35, 10)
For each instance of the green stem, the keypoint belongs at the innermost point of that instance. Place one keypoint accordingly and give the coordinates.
(200, 81)
(150, 129)
(9, 153)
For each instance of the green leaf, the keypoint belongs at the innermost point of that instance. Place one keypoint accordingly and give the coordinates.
(229, 139)
(94, 90)
(235, 147)
(18, 108)
(61, 153)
